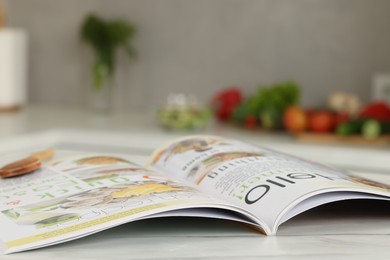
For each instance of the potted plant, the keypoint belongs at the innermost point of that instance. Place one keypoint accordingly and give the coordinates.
(106, 37)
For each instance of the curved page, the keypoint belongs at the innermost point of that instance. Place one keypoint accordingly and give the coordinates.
(82, 195)
(262, 181)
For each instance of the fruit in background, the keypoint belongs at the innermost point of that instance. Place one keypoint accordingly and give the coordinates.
(371, 129)
(379, 110)
(373, 121)
(273, 101)
(267, 105)
(250, 122)
(224, 103)
(295, 119)
(343, 102)
(321, 122)
(341, 118)
(368, 128)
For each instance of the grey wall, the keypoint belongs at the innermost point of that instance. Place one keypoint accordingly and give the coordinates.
(201, 46)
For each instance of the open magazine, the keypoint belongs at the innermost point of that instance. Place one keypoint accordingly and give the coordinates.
(201, 176)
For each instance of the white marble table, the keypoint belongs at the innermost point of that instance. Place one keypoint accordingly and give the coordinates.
(343, 231)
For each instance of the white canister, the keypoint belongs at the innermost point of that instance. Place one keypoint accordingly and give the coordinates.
(13, 68)
(381, 87)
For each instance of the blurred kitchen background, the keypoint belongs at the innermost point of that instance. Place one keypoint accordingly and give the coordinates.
(203, 46)
(200, 48)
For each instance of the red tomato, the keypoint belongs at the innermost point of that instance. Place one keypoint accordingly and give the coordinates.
(295, 119)
(250, 122)
(322, 122)
(225, 101)
(378, 110)
(341, 118)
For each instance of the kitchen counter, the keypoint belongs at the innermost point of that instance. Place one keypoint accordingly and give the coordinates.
(142, 130)
(343, 232)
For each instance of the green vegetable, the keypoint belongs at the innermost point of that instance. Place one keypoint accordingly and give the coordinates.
(268, 104)
(274, 100)
(271, 118)
(278, 96)
(245, 109)
(371, 129)
(368, 128)
(350, 127)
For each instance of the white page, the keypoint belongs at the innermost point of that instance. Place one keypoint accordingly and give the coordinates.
(259, 180)
(89, 193)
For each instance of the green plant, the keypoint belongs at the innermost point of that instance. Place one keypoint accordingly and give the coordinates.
(106, 37)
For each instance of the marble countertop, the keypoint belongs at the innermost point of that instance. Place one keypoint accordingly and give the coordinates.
(341, 231)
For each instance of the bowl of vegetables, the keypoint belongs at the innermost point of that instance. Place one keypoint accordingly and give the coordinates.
(183, 112)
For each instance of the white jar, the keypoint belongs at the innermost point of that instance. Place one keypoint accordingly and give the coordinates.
(13, 68)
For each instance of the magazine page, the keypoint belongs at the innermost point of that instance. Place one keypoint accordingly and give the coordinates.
(262, 181)
(78, 196)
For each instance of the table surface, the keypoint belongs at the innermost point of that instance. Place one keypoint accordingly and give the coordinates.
(342, 230)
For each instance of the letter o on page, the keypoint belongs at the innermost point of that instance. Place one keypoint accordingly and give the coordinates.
(256, 193)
